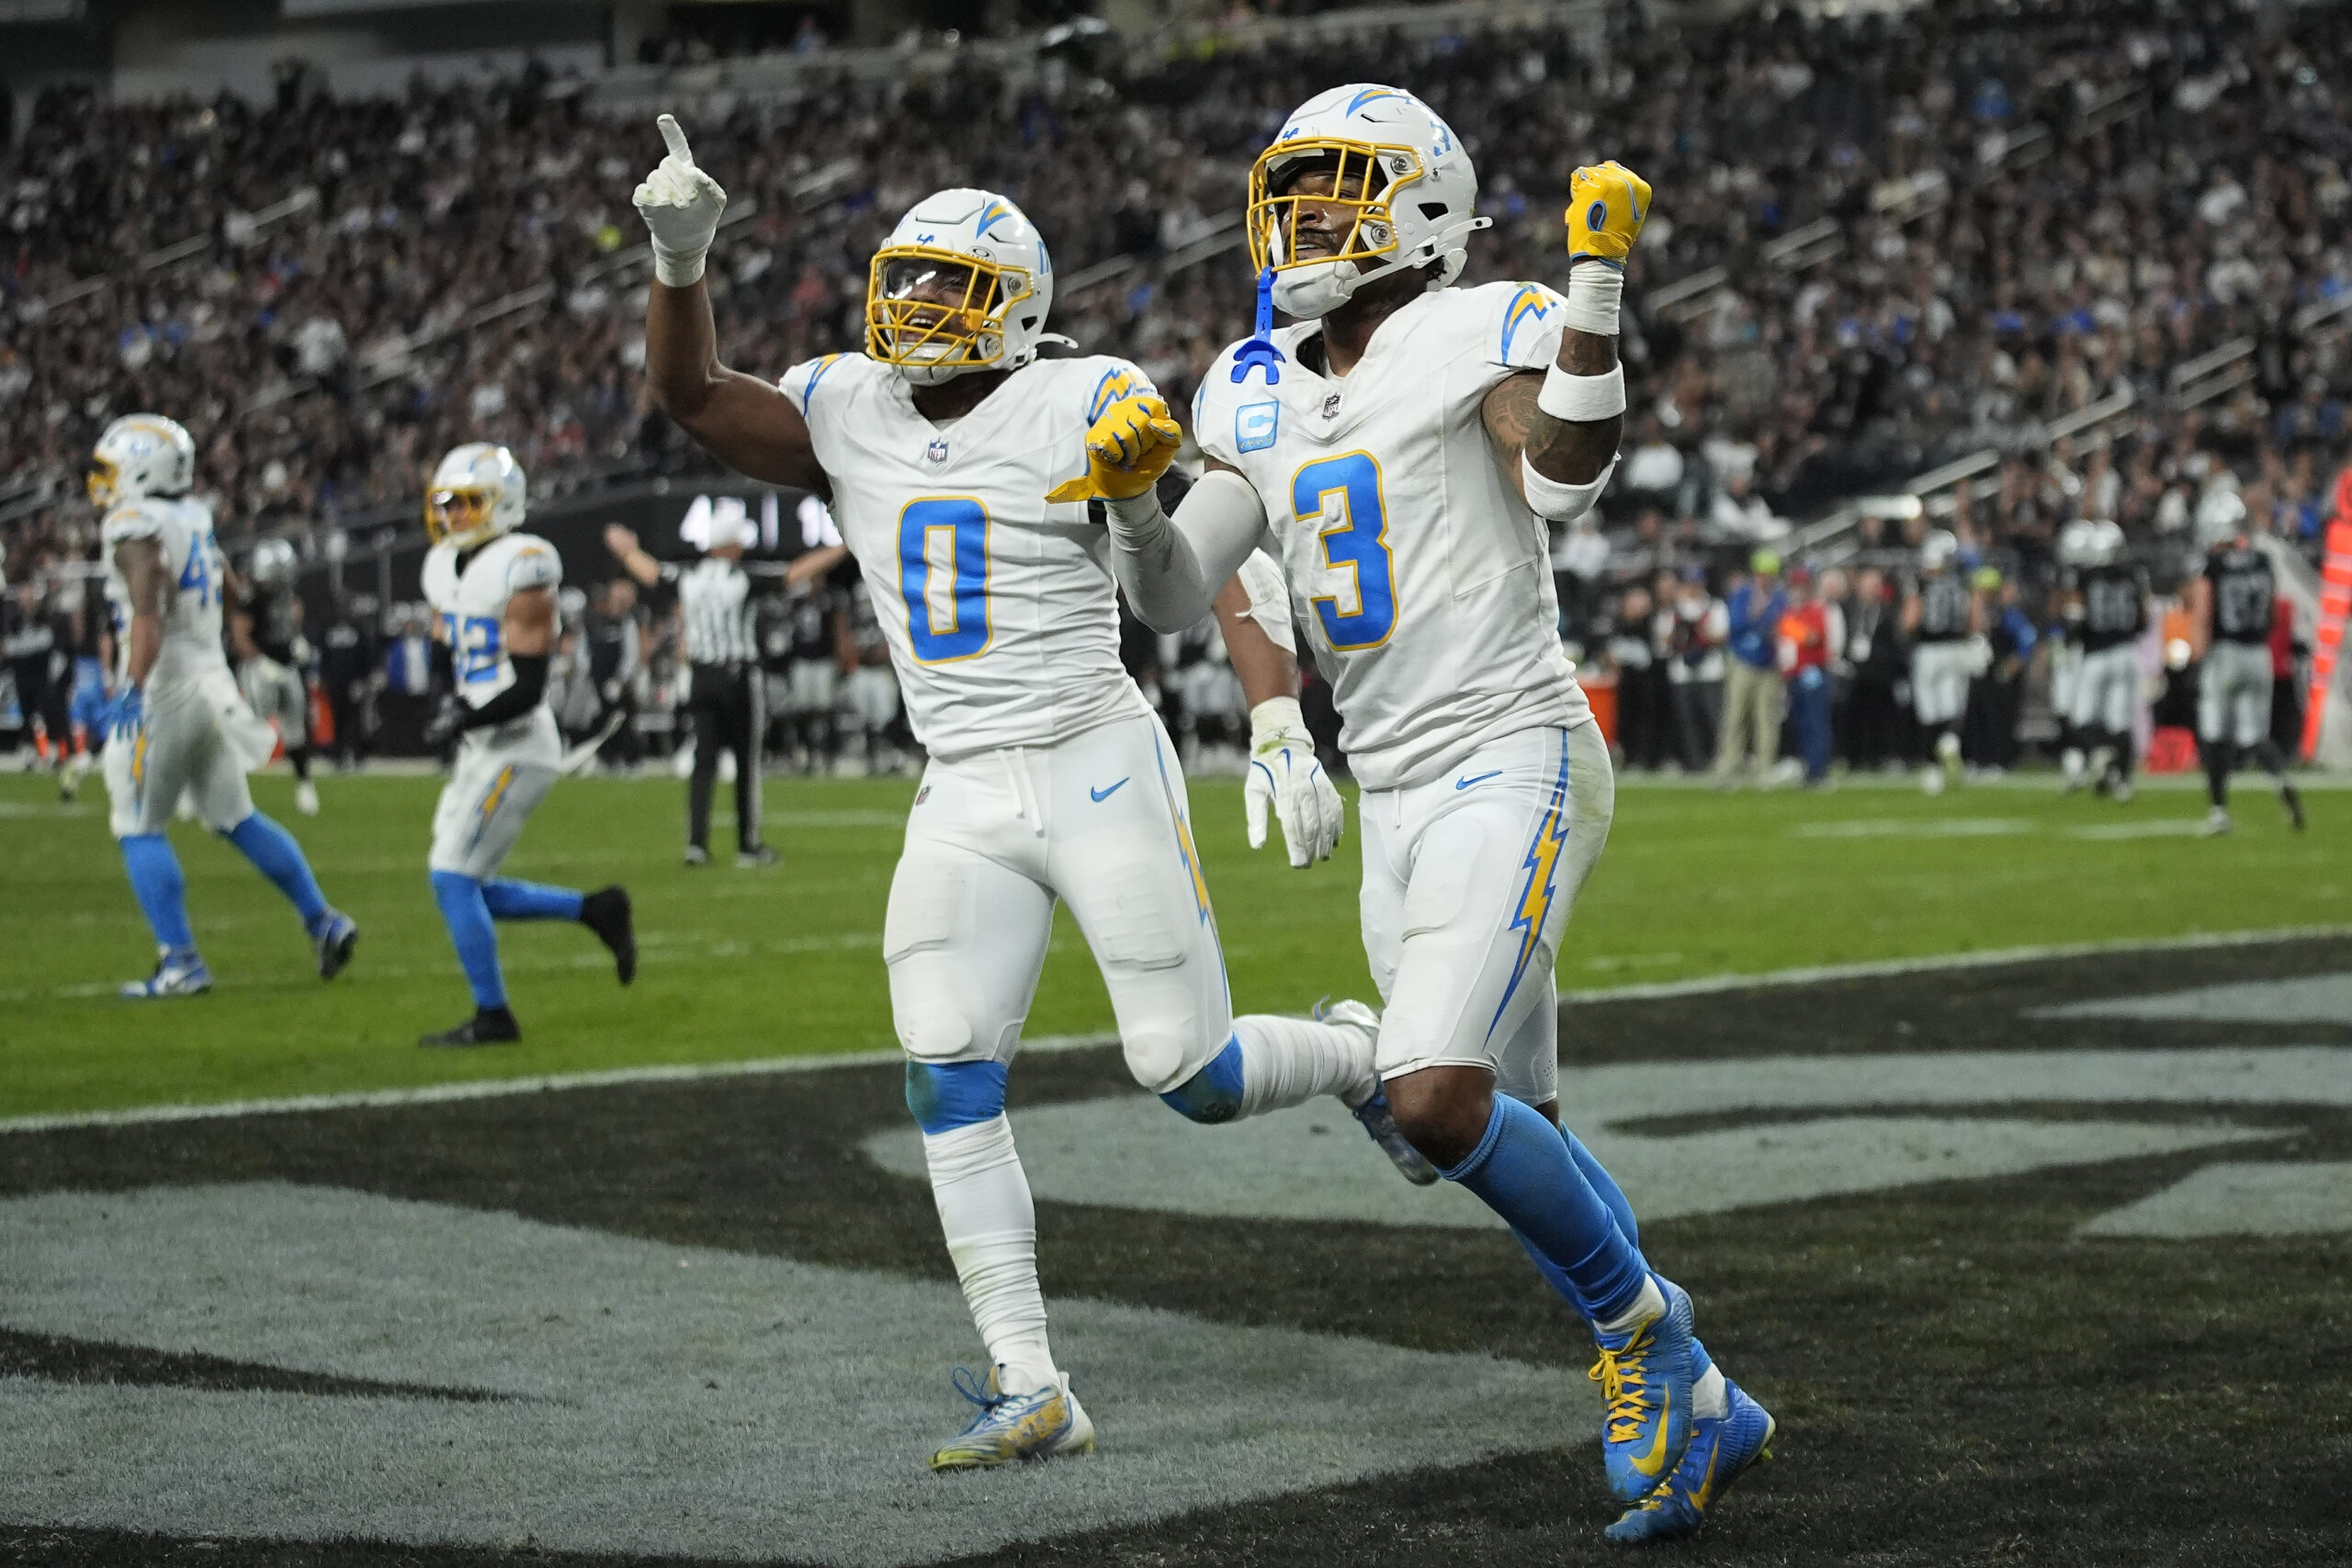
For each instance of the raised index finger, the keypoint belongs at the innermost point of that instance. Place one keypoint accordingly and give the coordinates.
(675, 137)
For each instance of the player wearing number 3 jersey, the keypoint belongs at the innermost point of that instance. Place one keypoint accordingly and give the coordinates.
(956, 466)
(1396, 451)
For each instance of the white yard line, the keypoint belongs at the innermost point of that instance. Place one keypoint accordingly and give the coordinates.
(492, 1088)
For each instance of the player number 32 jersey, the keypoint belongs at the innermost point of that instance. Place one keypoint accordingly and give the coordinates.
(998, 605)
(1422, 580)
(468, 594)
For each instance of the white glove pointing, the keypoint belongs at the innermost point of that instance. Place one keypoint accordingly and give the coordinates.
(1283, 771)
(682, 206)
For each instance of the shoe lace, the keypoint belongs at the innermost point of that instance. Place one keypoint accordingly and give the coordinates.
(1623, 1377)
(974, 1386)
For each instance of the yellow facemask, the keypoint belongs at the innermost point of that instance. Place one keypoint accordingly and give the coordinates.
(932, 307)
(455, 514)
(1371, 174)
(100, 481)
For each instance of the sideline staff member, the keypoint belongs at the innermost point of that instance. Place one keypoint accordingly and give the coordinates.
(715, 600)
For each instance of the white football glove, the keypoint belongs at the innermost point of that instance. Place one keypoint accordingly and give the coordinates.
(1285, 772)
(682, 206)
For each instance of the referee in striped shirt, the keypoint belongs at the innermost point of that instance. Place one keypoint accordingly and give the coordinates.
(715, 598)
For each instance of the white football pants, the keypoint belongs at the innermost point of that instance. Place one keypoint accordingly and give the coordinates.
(1468, 880)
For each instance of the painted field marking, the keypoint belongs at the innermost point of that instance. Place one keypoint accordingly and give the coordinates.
(1714, 984)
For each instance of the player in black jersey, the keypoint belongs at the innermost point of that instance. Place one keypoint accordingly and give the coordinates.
(2107, 610)
(2234, 603)
(1940, 616)
(272, 654)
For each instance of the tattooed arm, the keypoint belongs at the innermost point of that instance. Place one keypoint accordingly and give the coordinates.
(1571, 452)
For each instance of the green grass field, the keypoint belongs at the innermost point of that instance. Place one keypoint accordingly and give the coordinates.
(788, 961)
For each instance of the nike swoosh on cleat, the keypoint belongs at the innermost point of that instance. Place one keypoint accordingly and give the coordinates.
(1103, 795)
(1482, 778)
(1653, 1461)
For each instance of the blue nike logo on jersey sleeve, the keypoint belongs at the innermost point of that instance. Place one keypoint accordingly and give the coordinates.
(1103, 795)
(1482, 778)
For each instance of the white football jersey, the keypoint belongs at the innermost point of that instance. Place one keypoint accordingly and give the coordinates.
(999, 606)
(1424, 582)
(470, 604)
(182, 529)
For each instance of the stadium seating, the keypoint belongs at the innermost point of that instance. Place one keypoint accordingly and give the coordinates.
(1874, 252)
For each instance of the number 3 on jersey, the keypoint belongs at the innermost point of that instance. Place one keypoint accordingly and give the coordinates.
(944, 576)
(1357, 543)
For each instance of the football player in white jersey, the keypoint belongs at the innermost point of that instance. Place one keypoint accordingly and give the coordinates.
(493, 591)
(176, 724)
(1050, 777)
(1395, 450)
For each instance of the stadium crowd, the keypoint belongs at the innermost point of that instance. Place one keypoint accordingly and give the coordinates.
(1874, 251)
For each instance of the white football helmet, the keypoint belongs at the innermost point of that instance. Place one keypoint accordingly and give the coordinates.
(273, 562)
(963, 284)
(2220, 517)
(2105, 545)
(1394, 165)
(2074, 540)
(1939, 550)
(476, 493)
(142, 455)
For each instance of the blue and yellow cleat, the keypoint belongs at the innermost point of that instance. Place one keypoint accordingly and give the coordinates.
(1645, 1379)
(177, 975)
(1046, 1423)
(1721, 1450)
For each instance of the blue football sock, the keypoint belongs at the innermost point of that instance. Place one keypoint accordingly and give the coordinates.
(1606, 1185)
(1523, 1170)
(277, 856)
(467, 915)
(161, 891)
(511, 900)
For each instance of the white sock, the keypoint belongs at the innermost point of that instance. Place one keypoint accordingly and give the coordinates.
(1708, 1400)
(992, 1225)
(1289, 1061)
(1650, 1304)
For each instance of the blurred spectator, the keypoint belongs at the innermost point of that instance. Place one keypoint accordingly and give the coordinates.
(1695, 671)
(1753, 692)
(1809, 630)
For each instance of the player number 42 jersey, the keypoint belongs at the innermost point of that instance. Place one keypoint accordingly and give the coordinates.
(1422, 580)
(468, 595)
(182, 530)
(998, 606)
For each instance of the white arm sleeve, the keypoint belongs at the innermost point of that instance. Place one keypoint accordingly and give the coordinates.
(1269, 599)
(1171, 568)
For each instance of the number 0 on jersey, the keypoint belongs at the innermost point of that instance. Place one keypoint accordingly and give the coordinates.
(944, 576)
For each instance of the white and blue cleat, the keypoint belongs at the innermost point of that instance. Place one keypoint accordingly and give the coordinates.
(1644, 1378)
(1721, 1450)
(1044, 1423)
(177, 975)
(1373, 1114)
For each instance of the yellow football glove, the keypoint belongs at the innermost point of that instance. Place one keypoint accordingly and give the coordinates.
(1607, 205)
(1127, 448)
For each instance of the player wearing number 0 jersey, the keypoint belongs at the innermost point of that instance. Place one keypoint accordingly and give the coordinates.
(955, 464)
(178, 725)
(492, 594)
(1395, 451)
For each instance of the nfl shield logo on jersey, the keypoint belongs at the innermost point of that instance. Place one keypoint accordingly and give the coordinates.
(938, 450)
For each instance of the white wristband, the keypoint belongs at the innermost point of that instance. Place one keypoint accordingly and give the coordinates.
(679, 269)
(1557, 500)
(1580, 399)
(1595, 289)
